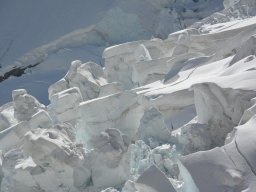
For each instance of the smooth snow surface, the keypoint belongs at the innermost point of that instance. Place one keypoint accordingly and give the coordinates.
(171, 113)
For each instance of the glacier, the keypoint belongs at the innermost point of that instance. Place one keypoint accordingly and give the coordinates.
(166, 108)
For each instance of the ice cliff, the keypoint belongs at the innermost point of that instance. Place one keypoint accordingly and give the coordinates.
(175, 114)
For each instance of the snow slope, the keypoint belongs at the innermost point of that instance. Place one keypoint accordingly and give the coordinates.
(40, 39)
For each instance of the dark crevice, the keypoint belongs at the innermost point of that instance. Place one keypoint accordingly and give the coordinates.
(229, 156)
(247, 161)
(16, 72)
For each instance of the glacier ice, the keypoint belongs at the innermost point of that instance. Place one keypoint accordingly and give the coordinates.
(153, 120)
(64, 105)
(24, 105)
(175, 114)
(154, 178)
(88, 77)
(121, 111)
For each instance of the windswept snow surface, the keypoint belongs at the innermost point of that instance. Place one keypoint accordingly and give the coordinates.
(162, 115)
